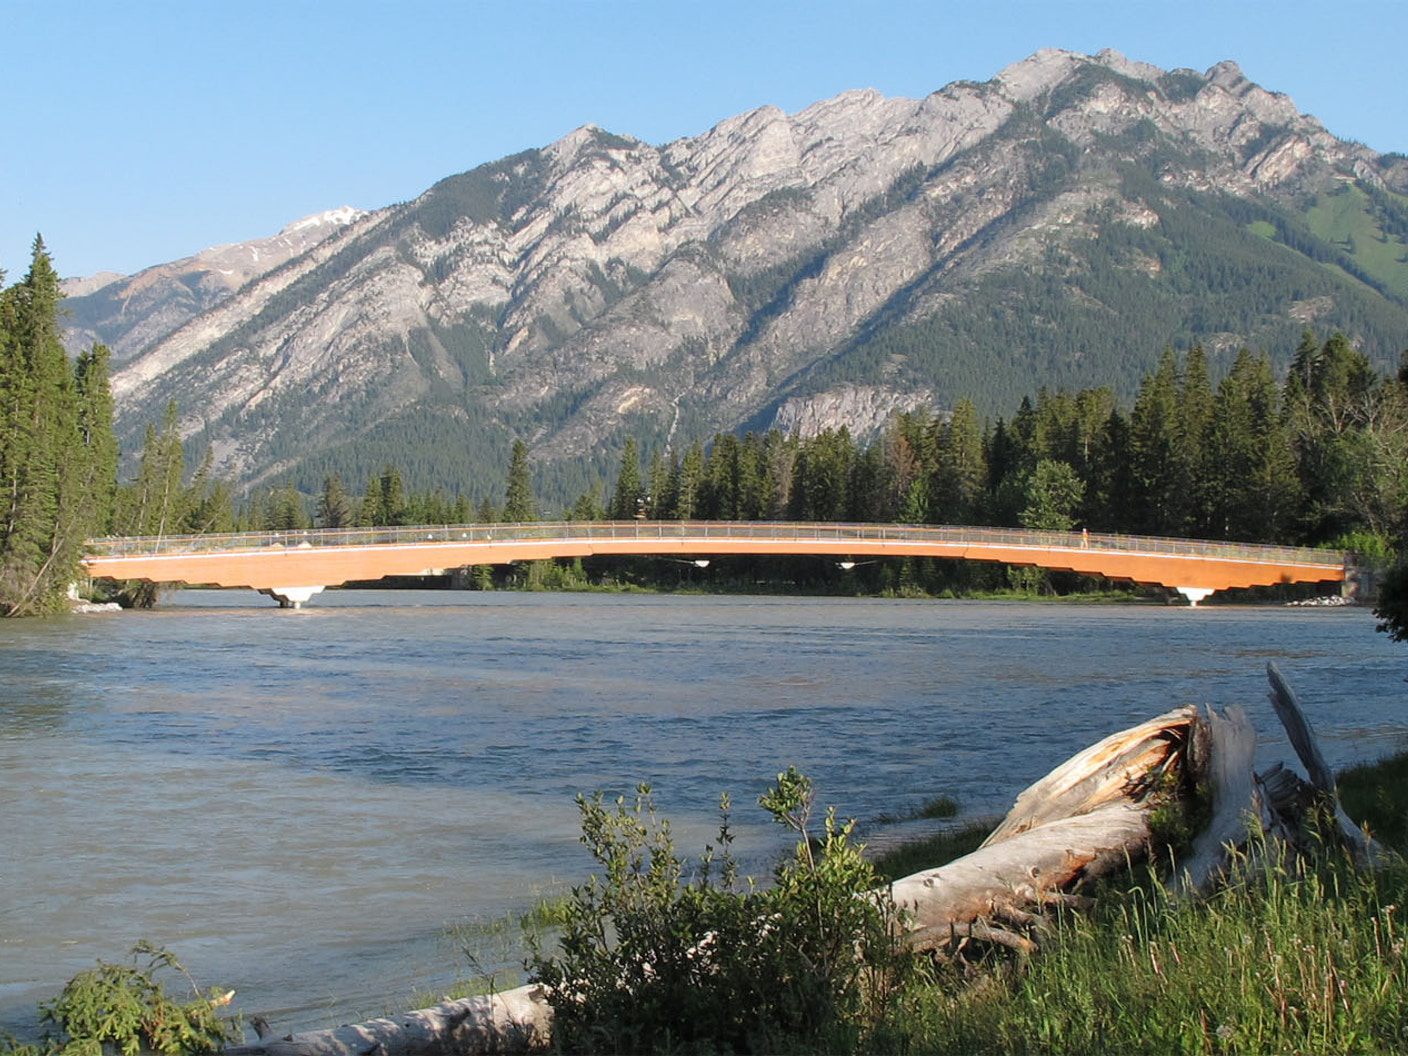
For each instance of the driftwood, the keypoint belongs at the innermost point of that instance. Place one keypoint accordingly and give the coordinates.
(514, 1021)
(1088, 817)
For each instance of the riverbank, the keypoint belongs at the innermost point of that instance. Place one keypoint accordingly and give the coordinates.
(1305, 959)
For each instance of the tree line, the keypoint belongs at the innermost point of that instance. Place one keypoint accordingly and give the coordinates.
(1319, 458)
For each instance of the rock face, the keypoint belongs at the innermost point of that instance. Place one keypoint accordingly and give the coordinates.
(802, 271)
(129, 313)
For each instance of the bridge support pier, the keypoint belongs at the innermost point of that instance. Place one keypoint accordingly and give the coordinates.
(291, 597)
(1194, 594)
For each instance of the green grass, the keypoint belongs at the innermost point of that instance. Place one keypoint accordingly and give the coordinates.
(1373, 794)
(1305, 959)
(1346, 219)
(930, 852)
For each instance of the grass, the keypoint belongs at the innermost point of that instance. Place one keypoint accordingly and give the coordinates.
(1286, 958)
(1345, 218)
(931, 851)
(1281, 960)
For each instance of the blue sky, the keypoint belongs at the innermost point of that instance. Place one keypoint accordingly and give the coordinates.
(141, 131)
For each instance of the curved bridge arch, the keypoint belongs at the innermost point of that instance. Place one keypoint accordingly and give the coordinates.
(292, 566)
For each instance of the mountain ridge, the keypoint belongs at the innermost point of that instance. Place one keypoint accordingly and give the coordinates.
(807, 270)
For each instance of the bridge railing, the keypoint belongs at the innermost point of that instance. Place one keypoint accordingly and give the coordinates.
(706, 531)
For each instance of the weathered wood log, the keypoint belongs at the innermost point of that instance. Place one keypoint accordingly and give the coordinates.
(1225, 747)
(1322, 778)
(1116, 769)
(1085, 818)
(517, 1020)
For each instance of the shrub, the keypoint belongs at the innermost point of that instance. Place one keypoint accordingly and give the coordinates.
(124, 1007)
(658, 954)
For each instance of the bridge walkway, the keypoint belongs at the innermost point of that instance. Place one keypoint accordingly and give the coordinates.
(292, 566)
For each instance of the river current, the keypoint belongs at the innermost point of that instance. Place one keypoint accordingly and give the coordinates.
(301, 805)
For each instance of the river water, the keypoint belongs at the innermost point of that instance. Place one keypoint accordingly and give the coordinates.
(300, 804)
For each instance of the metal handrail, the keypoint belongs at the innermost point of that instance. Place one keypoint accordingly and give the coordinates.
(706, 531)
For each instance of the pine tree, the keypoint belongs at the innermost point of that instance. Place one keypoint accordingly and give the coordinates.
(519, 505)
(956, 485)
(57, 453)
(1153, 451)
(626, 499)
(687, 492)
(1195, 405)
(334, 504)
(1249, 474)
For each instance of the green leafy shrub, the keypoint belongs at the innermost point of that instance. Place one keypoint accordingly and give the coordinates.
(124, 1008)
(661, 954)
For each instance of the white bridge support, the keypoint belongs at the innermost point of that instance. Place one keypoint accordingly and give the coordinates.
(1194, 594)
(291, 597)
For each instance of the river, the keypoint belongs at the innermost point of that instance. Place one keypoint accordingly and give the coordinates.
(300, 804)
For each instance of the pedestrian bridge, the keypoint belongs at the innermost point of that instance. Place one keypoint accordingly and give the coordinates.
(293, 566)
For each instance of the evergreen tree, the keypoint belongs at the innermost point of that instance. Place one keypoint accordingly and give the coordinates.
(1195, 405)
(719, 494)
(626, 500)
(208, 505)
(384, 504)
(95, 483)
(691, 482)
(334, 505)
(519, 504)
(661, 502)
(1112, 479)
(586, 508)
(960, 469)
(1249, 474)
(1154, 439)
(285, 511)
(154, 504)
(822, 478)
(56, 448)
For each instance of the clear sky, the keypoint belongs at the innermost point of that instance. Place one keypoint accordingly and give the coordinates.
(140, 131)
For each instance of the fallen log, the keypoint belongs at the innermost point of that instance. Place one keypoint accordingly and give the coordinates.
(516, 1020)
(1088, 817)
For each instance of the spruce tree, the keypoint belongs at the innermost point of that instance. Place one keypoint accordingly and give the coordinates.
(625, 500)
(960, 469)
(519, 505)
(57, 452)
(334, 504)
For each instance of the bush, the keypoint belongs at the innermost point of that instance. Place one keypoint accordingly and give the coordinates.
(124, 1007)
(659, 955)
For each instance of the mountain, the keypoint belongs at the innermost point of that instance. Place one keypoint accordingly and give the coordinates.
(1059, 225)
(128, 313)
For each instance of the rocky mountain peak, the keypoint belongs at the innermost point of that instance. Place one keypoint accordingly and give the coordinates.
(1056, 225)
